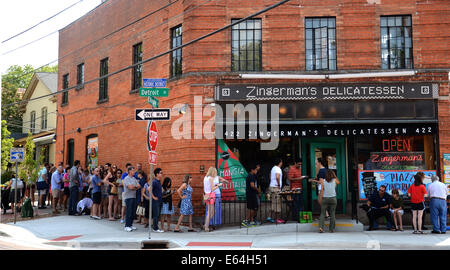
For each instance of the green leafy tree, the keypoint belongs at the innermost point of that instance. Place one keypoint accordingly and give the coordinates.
(17, 77)
(29, 167)
(7, 144)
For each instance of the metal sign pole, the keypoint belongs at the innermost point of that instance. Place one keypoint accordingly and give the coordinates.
(15, 194)
(152, 90)
(150, 204)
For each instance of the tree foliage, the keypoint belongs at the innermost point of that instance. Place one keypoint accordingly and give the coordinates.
(29, 167)
(7, 144)
(17, 77)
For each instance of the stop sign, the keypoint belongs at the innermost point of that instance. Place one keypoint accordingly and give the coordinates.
(152, 136)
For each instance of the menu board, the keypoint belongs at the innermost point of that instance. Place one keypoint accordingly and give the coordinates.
(370, 181)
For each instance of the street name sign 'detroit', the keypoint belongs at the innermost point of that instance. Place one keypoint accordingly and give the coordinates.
(152, 114)
(153, 92)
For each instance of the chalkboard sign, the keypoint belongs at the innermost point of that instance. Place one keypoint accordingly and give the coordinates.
(369, 184)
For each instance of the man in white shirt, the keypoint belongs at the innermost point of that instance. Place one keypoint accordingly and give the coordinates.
(276, 175)
(85, 205)
(438, 205)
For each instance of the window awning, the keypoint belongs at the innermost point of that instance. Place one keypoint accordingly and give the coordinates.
(48, 138)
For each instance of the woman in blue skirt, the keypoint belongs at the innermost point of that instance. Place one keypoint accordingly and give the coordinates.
(167, 206)
(216, 220)
(186, 209)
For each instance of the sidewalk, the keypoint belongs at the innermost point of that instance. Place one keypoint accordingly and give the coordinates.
(82, 232)
(38, 213)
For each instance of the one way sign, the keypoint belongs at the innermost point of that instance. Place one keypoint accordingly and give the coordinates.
(152, 114)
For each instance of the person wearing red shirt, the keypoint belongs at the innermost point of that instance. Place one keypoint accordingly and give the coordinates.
(295, 179)
(417, 193)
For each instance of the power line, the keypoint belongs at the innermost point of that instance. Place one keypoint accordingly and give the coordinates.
(30, 128)
(20, 47)
(13, 121)
(115, 31)
(158, 55)
(120, 42)
(51, 17)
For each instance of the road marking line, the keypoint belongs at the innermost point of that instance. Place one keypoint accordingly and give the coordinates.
(64, 238)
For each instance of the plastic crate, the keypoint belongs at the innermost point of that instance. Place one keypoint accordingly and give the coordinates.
(305, 217)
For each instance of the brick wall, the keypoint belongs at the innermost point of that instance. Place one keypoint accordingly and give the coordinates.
(122, 139)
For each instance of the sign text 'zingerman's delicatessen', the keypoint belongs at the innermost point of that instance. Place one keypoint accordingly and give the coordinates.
(250, 92)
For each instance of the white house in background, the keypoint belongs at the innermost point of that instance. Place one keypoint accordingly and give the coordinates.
(39, 116)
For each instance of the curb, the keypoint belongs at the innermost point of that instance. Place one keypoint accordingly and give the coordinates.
(145, 244)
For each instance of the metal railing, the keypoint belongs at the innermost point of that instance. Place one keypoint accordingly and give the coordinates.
(234, 209)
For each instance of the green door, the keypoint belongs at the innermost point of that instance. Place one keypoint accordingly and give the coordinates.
(333, 150)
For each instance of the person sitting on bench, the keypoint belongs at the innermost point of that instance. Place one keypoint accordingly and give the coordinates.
(379, 206)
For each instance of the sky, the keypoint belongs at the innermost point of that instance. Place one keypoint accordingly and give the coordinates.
(18, 15)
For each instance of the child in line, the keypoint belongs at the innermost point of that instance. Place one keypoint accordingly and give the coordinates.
(397, 209)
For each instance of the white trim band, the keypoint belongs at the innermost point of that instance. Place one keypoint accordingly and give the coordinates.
(329, 76)
(281, 76)
(373, 74)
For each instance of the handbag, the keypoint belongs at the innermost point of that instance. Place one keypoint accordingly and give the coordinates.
(206, 197)
(140, 211)
(114, 190)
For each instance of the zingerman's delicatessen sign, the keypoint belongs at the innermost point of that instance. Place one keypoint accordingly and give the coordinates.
(245, 94)
(248, 92)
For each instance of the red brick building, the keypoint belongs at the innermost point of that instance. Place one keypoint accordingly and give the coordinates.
(308, 38)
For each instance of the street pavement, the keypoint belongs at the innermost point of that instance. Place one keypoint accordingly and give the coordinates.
(82, 232)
